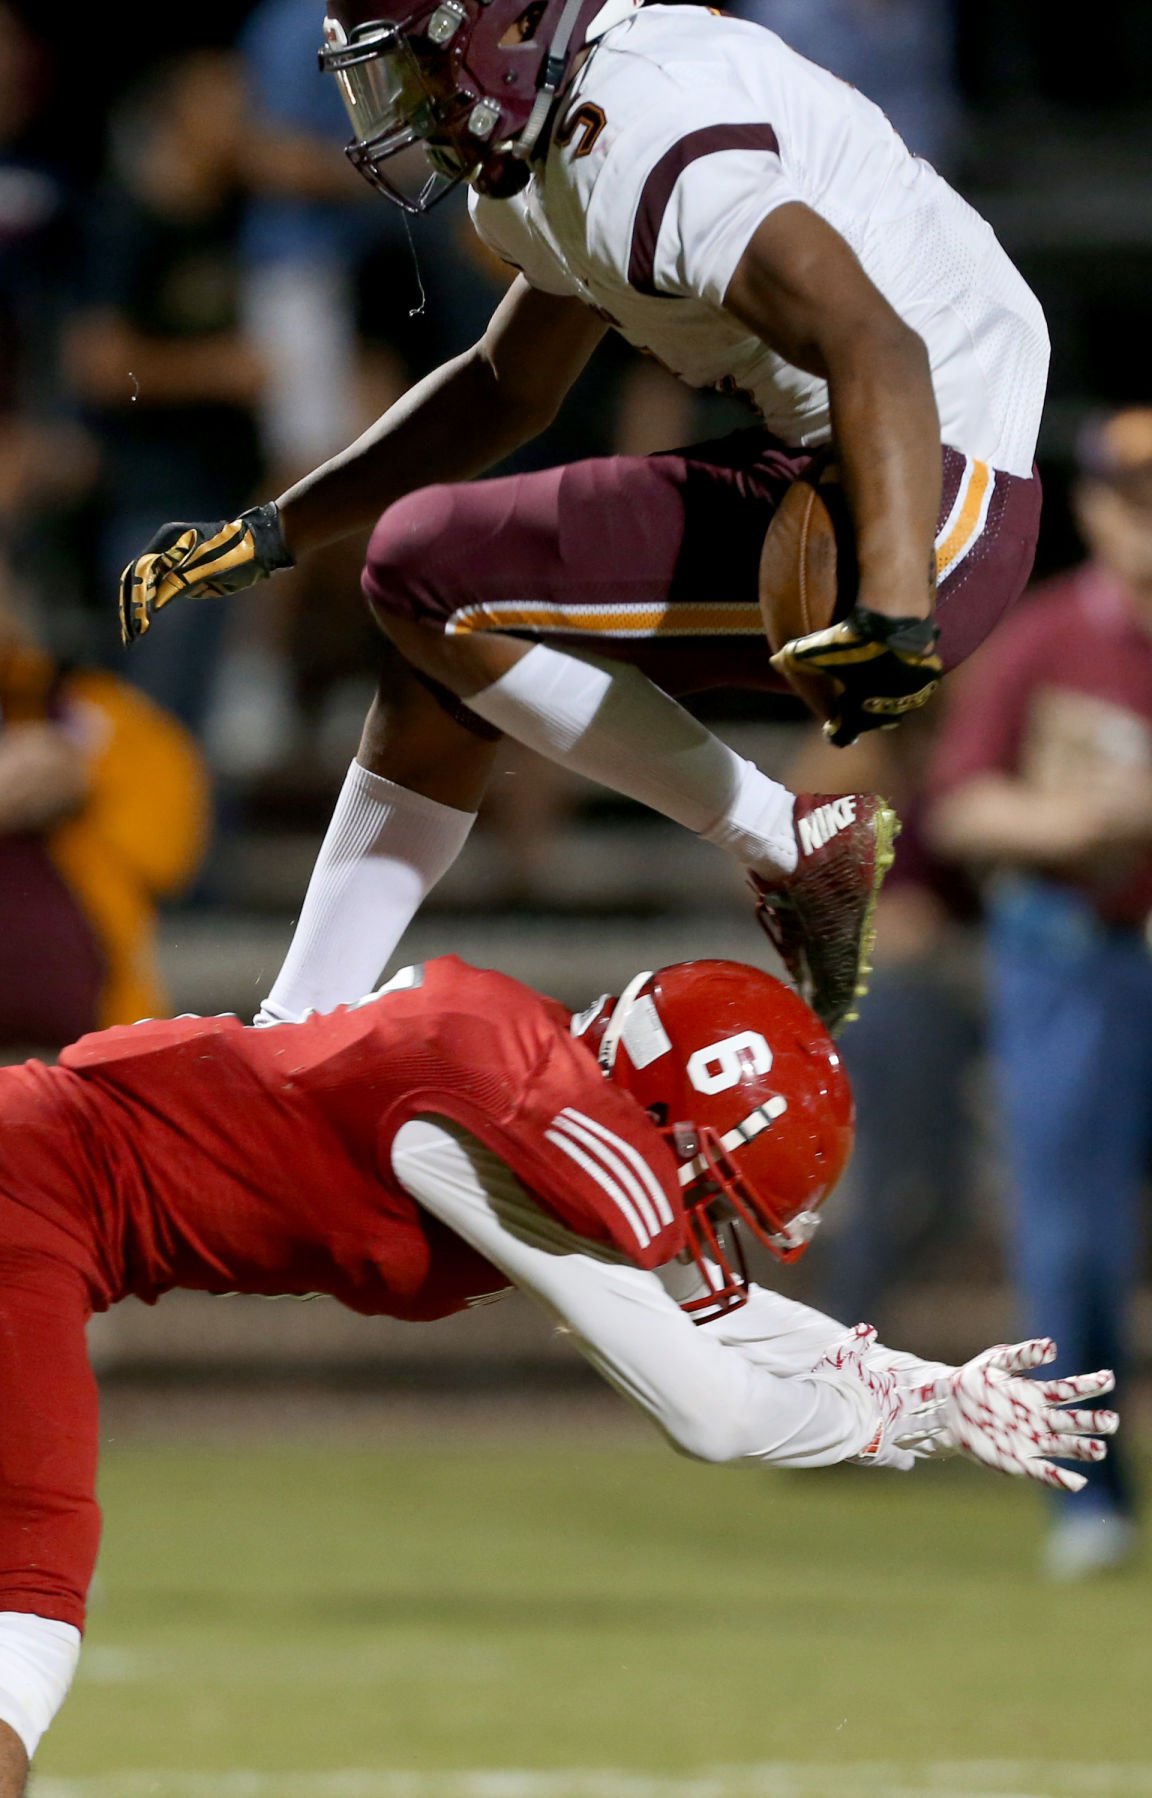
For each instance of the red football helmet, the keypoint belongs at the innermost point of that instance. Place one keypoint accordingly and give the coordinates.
(449, 90)
(747, 1087)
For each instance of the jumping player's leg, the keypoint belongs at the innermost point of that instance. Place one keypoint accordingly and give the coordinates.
(652, 564)
(628, 568)
(607, 721)
(404, 813)
(637, 529)
(410, 798)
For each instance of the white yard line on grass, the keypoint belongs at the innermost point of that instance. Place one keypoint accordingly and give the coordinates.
(872, 1779)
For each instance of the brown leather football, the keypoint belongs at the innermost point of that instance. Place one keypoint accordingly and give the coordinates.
(798, 563)
(807, 572)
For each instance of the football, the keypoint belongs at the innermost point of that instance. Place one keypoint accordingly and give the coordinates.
(807, 571)
(807, 559)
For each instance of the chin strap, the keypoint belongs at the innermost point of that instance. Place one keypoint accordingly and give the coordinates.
(551, 77)
(610, 1041)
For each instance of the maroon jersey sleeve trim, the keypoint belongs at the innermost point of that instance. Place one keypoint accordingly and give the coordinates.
(661, 183)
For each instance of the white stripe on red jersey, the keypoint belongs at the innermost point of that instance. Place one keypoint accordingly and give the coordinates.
(656, 1191)
(590, 1156)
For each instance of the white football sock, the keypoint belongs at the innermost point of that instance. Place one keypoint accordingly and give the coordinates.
(608, 722)
(384, 850)
(37, 1660)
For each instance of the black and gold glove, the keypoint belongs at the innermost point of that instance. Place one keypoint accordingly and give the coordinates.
(863, 673)
(202, 561)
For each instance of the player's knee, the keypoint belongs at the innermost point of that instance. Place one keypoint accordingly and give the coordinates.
(408, 564)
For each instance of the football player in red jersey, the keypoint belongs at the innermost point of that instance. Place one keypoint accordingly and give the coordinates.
(449, 1136)
(757, 225)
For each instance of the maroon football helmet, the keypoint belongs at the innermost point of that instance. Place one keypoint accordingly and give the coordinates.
(442, 91)
(748, 1088)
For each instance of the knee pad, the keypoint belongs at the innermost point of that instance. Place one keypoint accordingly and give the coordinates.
(38, 1657)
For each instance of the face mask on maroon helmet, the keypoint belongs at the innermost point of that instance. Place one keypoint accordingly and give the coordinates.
(749, 1092)
(442, 91)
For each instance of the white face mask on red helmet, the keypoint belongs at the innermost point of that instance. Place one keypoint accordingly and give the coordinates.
(749, 1091)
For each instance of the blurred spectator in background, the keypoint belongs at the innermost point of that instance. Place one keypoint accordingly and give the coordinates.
(102, 812)
(348, 304)
(46, 462)
(34, 204)
(1043, 780)
(915, 1050)
(900, 53)
(168, 379)
(307, 225)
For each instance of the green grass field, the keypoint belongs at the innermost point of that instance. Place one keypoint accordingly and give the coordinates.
(502, 1618)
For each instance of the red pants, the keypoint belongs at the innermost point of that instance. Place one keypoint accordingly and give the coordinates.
(655, 559)
(52, 1277)
(49, 1519)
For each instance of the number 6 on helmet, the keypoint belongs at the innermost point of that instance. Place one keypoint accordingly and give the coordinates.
(748, 1089)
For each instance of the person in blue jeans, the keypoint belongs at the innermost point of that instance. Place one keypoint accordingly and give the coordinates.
(1042, 779)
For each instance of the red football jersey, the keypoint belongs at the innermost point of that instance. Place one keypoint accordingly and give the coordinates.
(205, 1153)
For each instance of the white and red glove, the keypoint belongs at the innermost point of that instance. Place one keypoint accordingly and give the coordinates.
(986, 1411)
(889, 1407)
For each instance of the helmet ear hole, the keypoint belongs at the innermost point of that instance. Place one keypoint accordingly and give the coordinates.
(524, 29)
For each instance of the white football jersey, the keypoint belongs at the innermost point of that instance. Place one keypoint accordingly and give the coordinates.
(685, 129)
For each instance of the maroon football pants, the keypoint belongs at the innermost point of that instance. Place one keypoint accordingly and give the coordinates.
(655, 559)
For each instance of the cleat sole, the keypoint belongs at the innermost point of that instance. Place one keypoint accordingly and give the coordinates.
(886, 828)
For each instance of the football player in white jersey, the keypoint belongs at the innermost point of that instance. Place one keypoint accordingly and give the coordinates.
(757, 225)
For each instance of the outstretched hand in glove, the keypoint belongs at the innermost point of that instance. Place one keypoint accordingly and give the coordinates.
(863, 673)
(991, 1412)
(200, 561)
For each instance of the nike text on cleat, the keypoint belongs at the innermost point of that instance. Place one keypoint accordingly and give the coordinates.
(818, 827)
(821, 918)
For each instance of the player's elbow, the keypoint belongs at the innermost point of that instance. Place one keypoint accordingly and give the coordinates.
(527, 412)
(881, 349)
(708, 1435)
(517, 403)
